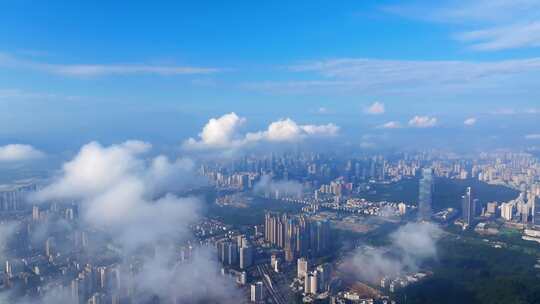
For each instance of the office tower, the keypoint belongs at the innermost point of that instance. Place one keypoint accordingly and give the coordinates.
(320, 237)
(491, 207)
(257, 292)
(302, 268)
(468, 207)
(323, 275)
(246, 256)
(313, 282)
(425, 194)
(35, 213)
(74, 291)
(307, 283)
(102, 278)
(536, 212)
(241, 241)
(232, 253)
(227, 252)
(8, 269)
(243, 278)
(69, 214)
(506, 211)
(49, 247)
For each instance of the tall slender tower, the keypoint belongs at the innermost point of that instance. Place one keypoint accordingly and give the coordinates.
(468, 207)
(425, 194)
(536, 211)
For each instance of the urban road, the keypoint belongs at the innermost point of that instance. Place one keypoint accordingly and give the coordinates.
(267, 281)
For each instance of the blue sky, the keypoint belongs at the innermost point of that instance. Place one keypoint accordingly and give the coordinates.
(74, 71)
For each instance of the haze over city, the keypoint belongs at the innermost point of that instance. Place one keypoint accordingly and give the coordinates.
(243, 152)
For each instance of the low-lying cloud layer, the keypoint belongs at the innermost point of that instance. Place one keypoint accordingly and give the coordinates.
(267, 186)
(410, 245)
(223, 133)
(130, 198)
(120, 192)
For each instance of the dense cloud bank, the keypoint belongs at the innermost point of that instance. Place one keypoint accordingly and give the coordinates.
(132, 199)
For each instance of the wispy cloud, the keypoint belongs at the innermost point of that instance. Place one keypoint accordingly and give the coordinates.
(488, 25)
(94, 70)
(513, 111)
(364, 74)
(18, 94)
(532, 136)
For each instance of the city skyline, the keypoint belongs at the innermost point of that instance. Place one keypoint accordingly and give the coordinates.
(345, 152)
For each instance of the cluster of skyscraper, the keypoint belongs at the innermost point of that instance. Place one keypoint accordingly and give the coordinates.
(12, 196)
(297, 235)
(235, 252)
(315, 281)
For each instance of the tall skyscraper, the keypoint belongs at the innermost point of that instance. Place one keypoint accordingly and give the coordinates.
(536, 212)
(257, 292)
(323, 275)
(425, 194)
(302, 268)
(468, 207)
(35, 213)
(507, 210)
(246, 256)
(227, 252)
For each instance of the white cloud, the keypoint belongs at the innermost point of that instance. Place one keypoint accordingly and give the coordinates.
(222, 133)
(411, 244)
(532, 136)
(94, 70)
(391, 125)
(19, 152)
(287, 130)
(219, 132)
(117, 190)
(127, 196)
(470, 121)
(375, 109)
(423, 122)
(494, 24)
